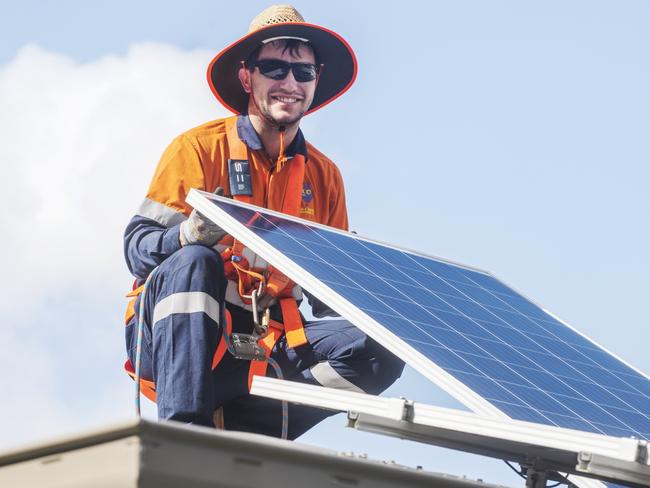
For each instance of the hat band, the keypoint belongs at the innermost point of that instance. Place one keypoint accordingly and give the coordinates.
(278, 38)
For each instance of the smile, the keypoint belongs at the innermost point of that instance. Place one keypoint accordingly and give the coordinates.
(286, 99)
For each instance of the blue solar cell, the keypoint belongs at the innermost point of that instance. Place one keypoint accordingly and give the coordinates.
(517, 339)
(638, 382)
(569, 422)
(539, 400)
(481, 295)
(547, 382)
(521, 412)
(470, 328)
(484, 334)
(599, 394)
(495, 369)
(444, 357)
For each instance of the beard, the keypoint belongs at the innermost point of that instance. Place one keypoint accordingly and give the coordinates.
(264, 107)
(266, 112)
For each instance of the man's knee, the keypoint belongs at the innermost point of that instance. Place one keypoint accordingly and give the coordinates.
(199, 257)
(195, 264)
(352, 355)
(387, 368)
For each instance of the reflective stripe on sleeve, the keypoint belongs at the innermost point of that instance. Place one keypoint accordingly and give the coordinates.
(162, 214)
(186, 302)
(326, 375)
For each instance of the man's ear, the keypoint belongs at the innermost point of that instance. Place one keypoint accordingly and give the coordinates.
(320, 71)
(245, 79)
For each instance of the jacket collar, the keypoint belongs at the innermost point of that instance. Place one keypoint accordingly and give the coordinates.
(247, 134)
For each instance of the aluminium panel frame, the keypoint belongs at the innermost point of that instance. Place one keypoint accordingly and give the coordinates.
(200, 200)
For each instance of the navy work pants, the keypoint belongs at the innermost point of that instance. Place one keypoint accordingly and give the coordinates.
(183, 309)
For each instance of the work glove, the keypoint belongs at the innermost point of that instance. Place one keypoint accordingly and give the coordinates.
(198, 229)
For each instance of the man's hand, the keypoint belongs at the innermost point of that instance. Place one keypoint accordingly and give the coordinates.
(198, 229)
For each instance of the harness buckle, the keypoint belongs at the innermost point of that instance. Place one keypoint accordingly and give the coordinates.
(245, 346)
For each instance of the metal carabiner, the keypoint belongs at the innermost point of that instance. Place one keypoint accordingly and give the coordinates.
(261, 328)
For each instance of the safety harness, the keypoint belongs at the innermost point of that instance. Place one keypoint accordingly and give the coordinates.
(252, 282)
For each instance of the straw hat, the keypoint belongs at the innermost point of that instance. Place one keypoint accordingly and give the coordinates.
(278, 21)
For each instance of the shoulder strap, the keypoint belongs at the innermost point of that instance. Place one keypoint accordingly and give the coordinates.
(236, 147)
(237, 150)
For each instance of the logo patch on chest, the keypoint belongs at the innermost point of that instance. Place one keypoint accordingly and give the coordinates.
(307, 207)
(307, 193)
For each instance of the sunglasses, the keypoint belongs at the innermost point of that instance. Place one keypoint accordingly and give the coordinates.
(277, 69)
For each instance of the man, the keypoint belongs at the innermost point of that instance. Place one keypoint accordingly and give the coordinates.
(283, 69)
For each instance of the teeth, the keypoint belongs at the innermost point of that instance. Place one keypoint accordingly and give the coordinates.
(287, 99)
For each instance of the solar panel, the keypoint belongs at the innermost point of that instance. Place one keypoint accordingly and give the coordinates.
(487, 345)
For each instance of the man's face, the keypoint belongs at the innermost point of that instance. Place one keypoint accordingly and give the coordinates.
(281, 102)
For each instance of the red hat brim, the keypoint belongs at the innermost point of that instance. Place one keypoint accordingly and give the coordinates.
(338, 74)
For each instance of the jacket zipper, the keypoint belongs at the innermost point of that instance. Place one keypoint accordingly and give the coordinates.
(269, 180)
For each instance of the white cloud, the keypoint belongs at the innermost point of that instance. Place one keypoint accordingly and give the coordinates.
(80, 142)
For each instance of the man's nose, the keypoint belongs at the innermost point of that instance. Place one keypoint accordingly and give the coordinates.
(289, 80)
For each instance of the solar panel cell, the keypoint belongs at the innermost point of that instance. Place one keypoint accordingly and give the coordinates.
(507, 350)
(470, 328)
(540, 400)
(630, 418)
(486, 387)
(521, 412)
(516, 339)
(638, 402)
(481, 295)
(444, 357)
(640, 383)
(569, 422)
(489, 283)
(495, 369)
(597, 416)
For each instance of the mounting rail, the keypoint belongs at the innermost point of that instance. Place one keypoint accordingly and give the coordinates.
(542, 449)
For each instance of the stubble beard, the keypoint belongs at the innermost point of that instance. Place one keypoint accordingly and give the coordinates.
(268, 116)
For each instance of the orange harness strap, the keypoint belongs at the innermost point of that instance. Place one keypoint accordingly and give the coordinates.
(236, 150)
(277, 284)
(293, 326)
(147, 387)
(258, 368)
(130, 307)
(222, 346)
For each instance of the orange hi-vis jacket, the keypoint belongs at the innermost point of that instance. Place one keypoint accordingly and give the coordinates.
(199, 159)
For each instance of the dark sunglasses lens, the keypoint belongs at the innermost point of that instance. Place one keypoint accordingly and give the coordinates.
(274, 69)
(277, 69)
(304, 72)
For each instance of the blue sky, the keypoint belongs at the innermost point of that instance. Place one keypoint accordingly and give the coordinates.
(512, 136)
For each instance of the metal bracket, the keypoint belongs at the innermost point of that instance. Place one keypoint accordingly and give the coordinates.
(535, 478)
(637, 473)
(408, 413)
